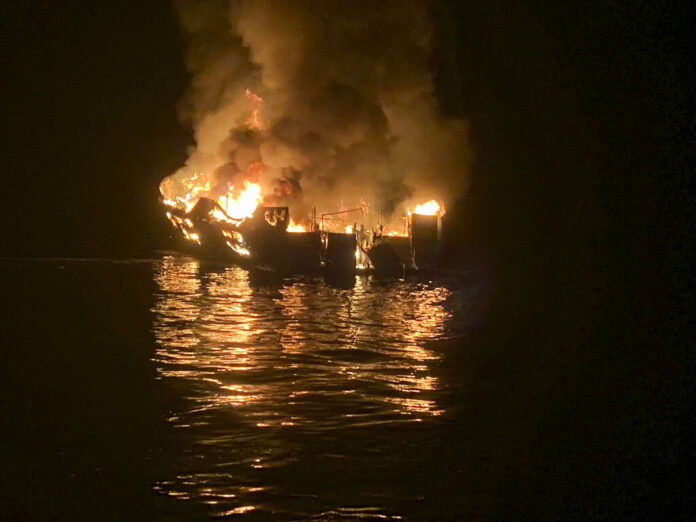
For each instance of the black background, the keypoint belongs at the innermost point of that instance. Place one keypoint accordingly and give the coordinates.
(90, 127)
(581, 200)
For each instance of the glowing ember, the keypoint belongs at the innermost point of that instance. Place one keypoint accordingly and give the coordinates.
(191, 236)
(253, 120)
(239, 249)
(186, 227)
(431, 208)
(235, 241)
(349, 229)
(296, 227)
(233, 234)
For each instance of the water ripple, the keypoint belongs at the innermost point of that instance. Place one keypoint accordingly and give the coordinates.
(275, 383)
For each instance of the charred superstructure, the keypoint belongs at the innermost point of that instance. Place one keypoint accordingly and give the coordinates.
(268, 239)
(340, 252)
(425, 240)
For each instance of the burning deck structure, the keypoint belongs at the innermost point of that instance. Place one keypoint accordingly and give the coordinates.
(267, 238)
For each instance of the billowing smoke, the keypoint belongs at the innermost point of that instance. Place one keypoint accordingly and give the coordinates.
(327, 103)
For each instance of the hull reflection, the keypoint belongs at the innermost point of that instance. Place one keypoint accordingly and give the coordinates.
(273, 380)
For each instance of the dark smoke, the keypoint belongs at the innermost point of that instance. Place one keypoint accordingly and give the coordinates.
(348, 111)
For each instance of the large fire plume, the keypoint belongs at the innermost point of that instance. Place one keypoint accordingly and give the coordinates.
(318, 106)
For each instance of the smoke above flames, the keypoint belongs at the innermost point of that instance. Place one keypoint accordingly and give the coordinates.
(323, 103)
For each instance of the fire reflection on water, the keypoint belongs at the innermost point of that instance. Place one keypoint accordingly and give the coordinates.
(261, 371)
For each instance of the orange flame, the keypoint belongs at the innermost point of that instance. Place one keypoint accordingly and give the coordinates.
(186, 227)
(196, 186)
(243, 204)
(296, 227)
(430, 208)
(253, 120)
(394, 233)
(235, 205)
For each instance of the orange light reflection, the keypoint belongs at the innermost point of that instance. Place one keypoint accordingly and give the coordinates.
(305, 356)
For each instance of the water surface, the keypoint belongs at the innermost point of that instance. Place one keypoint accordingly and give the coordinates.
(302, 399)
(168, 389)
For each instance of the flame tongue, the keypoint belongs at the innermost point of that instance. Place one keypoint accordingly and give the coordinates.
(430, 208)
(244, 203)
(296, 227)
(234, 204)
(194, 187)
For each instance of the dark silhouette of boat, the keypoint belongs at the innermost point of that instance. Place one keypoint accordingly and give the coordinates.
(261, 242)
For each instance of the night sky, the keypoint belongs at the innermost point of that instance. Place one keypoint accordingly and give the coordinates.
(580, 199)
(89, 114)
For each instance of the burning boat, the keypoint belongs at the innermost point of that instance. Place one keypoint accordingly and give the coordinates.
(238, 227)
(260, 240)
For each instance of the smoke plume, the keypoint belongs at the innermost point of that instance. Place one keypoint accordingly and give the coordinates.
(328, 103)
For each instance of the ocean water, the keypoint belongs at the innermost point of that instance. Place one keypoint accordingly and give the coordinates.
(166, 388)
